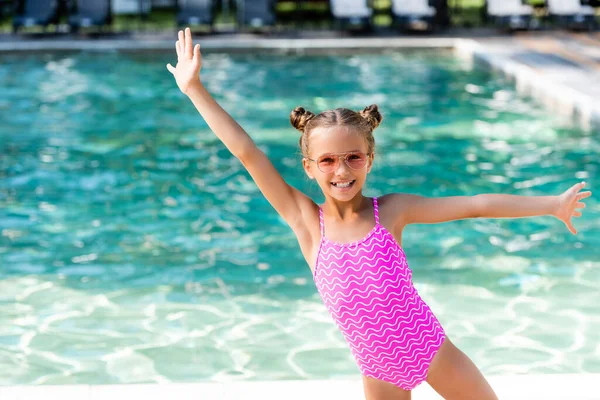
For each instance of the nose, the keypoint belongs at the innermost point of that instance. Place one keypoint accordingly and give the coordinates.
(341, 164)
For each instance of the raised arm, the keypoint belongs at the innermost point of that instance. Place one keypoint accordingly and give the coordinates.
(289, 202)
(430, 210)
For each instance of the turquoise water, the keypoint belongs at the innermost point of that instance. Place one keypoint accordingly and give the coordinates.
(135, 249)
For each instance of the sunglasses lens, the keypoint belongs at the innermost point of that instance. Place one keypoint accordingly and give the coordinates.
(327, 163)
(356, 160)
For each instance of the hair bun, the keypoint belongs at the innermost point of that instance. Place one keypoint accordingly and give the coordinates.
(372, 115)
(299, 117)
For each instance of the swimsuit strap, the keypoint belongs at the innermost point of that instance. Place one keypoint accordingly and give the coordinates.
(376, 210)
(321, 223)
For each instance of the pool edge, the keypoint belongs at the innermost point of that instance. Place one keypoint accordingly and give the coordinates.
(557, 96)
(514, 387)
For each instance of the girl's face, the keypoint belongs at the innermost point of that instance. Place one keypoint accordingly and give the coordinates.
(335, 159)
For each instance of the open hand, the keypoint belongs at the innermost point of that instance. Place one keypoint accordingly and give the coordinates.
(569, 201)
(189, 61)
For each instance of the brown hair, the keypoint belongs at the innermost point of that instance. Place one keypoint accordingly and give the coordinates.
(364, 122)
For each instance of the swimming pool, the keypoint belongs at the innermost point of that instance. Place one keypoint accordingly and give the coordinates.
(134, 248)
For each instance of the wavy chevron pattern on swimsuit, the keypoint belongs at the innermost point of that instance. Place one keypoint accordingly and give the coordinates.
(367, 288)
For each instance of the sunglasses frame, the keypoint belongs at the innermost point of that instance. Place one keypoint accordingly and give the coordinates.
(337, 156)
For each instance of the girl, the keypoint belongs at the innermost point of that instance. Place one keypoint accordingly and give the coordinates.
(353, 243)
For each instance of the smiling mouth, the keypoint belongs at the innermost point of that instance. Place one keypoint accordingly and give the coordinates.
(343, 185)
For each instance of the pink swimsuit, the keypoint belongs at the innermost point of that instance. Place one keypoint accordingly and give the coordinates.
(367, 288)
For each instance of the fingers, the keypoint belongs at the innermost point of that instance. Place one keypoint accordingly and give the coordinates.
(197, 52)
(171, 69)
(184, 45)
(181, 42)
(188, 43)
(583, 195)
(578, 186)
(578, 196)
(571, 228)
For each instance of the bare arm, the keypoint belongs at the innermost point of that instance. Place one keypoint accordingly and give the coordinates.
(426, 210)
(514, 206)
(290, 203)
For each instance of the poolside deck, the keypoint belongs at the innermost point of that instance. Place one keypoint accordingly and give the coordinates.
(518, 387)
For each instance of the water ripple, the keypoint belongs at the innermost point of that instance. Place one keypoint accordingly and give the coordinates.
(134, 248)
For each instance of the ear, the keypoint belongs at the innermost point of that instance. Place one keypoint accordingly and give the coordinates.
(307, 168)
(370, 162)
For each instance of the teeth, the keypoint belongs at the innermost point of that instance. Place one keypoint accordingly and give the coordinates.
(342, 185)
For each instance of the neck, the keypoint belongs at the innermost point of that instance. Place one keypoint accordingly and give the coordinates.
(345, 210)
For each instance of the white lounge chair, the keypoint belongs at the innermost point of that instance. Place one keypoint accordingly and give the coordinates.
(413, 13)
(510, 13)
(138, 7)
(351, 13)
(350, 8)
(571, 13)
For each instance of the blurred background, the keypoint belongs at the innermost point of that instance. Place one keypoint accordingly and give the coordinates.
(269, 16)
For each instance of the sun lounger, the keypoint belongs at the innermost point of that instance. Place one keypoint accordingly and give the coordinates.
(164, 3)
(572, 14)
(131, 7)
(512, 14)
(35, 12)
(89, 13)
(414, 14)
(195, 12)
(256, 13)
(351, 13)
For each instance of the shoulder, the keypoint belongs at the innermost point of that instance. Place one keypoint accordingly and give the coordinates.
(396, 200)
(394, 206)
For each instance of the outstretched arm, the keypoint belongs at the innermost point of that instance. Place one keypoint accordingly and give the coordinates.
(186, 73)
(288, 201)
(425, 210)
